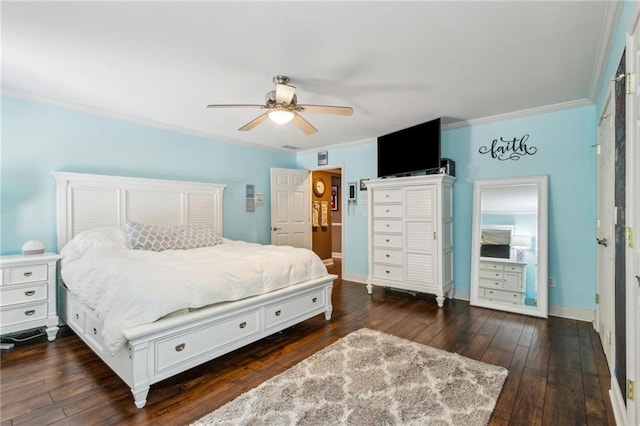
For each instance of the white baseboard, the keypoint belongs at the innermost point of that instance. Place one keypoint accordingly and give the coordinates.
(617, 403)
(356, 278)
(572, 313)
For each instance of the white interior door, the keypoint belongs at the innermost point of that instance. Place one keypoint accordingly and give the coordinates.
(605, 229)
(290, 207)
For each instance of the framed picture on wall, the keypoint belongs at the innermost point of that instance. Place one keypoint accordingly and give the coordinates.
(334, 198)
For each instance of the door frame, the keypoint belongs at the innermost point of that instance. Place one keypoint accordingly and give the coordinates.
(341, 201)
(604, 321)
(632, 188)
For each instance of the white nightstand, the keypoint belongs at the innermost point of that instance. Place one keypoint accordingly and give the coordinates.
(28, 293)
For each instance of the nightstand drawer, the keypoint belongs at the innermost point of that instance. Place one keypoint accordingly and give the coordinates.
(23, 294)
(26, 274)
(24, 313)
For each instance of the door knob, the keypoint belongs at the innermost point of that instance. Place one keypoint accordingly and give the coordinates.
(275, 228)
(602, 241)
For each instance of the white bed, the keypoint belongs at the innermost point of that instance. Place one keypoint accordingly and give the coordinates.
(145, 350)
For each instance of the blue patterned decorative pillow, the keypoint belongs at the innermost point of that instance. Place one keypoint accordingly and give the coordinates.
(183, 237)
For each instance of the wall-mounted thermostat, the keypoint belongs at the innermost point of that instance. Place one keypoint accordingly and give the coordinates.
(352, 195)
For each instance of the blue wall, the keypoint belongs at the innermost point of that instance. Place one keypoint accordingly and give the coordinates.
(564, 143)
(38, 139)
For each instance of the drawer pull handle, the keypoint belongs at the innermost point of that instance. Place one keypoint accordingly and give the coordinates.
(278, 312)
(77, 316)
(30, 312)
(243, 324)
(29, 292)
(387, 256)
(95, 331)
(314, 300)
(387, 225)
(387, 210)
(387, 240)
(180, 347)
(388, 272)
(28, 274)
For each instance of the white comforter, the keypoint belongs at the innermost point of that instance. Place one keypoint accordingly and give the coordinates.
(128, 287)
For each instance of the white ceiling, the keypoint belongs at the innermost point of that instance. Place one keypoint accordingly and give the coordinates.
(396, 63)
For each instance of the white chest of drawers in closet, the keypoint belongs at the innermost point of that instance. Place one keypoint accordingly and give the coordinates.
(411, 234)
(28, 293)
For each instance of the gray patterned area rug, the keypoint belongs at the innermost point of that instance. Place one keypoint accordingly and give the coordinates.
(371, 378)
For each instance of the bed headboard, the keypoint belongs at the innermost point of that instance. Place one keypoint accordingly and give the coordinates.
(90, 201)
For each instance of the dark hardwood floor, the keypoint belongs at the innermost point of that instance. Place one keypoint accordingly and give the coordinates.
(557, 369)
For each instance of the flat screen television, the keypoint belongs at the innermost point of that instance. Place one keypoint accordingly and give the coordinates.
(410, 151)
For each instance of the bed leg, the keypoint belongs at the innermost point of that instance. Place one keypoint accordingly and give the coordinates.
(140, 396)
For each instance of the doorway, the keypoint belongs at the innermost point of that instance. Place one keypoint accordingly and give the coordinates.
(326, 218)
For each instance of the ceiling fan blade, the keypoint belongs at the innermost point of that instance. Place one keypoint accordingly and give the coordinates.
(284, 93)
(303, 124)
(327, 109)
(253, 123)
(235, 106)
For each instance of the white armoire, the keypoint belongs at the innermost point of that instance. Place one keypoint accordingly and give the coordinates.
(411, 234)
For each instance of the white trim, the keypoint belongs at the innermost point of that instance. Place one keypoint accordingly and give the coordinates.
(518, 114)
(572, 313)
(336, 255)
(356, 278)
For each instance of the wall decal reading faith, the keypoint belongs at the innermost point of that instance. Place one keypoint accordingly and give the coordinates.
(509, 149)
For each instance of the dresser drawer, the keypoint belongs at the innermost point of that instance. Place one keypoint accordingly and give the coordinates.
(293, 308)
(24, 313)
(26, 293)
(191, 344)
(491, 266)
(495, 284)
(388, 272)
(387, 210)
(382, 225)
(513, 268)
(93, 330)
(501, 295)
(387, 196)
(386, 240)
(381, 255)
(75, 315)
(26, 274)
(494, 275)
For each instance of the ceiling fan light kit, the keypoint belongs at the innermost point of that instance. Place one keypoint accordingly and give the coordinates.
(280, 116)
(282, 105)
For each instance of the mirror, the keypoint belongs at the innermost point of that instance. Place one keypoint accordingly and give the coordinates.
(509, 245)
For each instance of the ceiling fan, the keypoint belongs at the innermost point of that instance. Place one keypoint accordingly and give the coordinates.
(282, 107)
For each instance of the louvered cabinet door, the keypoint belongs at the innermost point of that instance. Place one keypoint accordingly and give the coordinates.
(420, 231)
